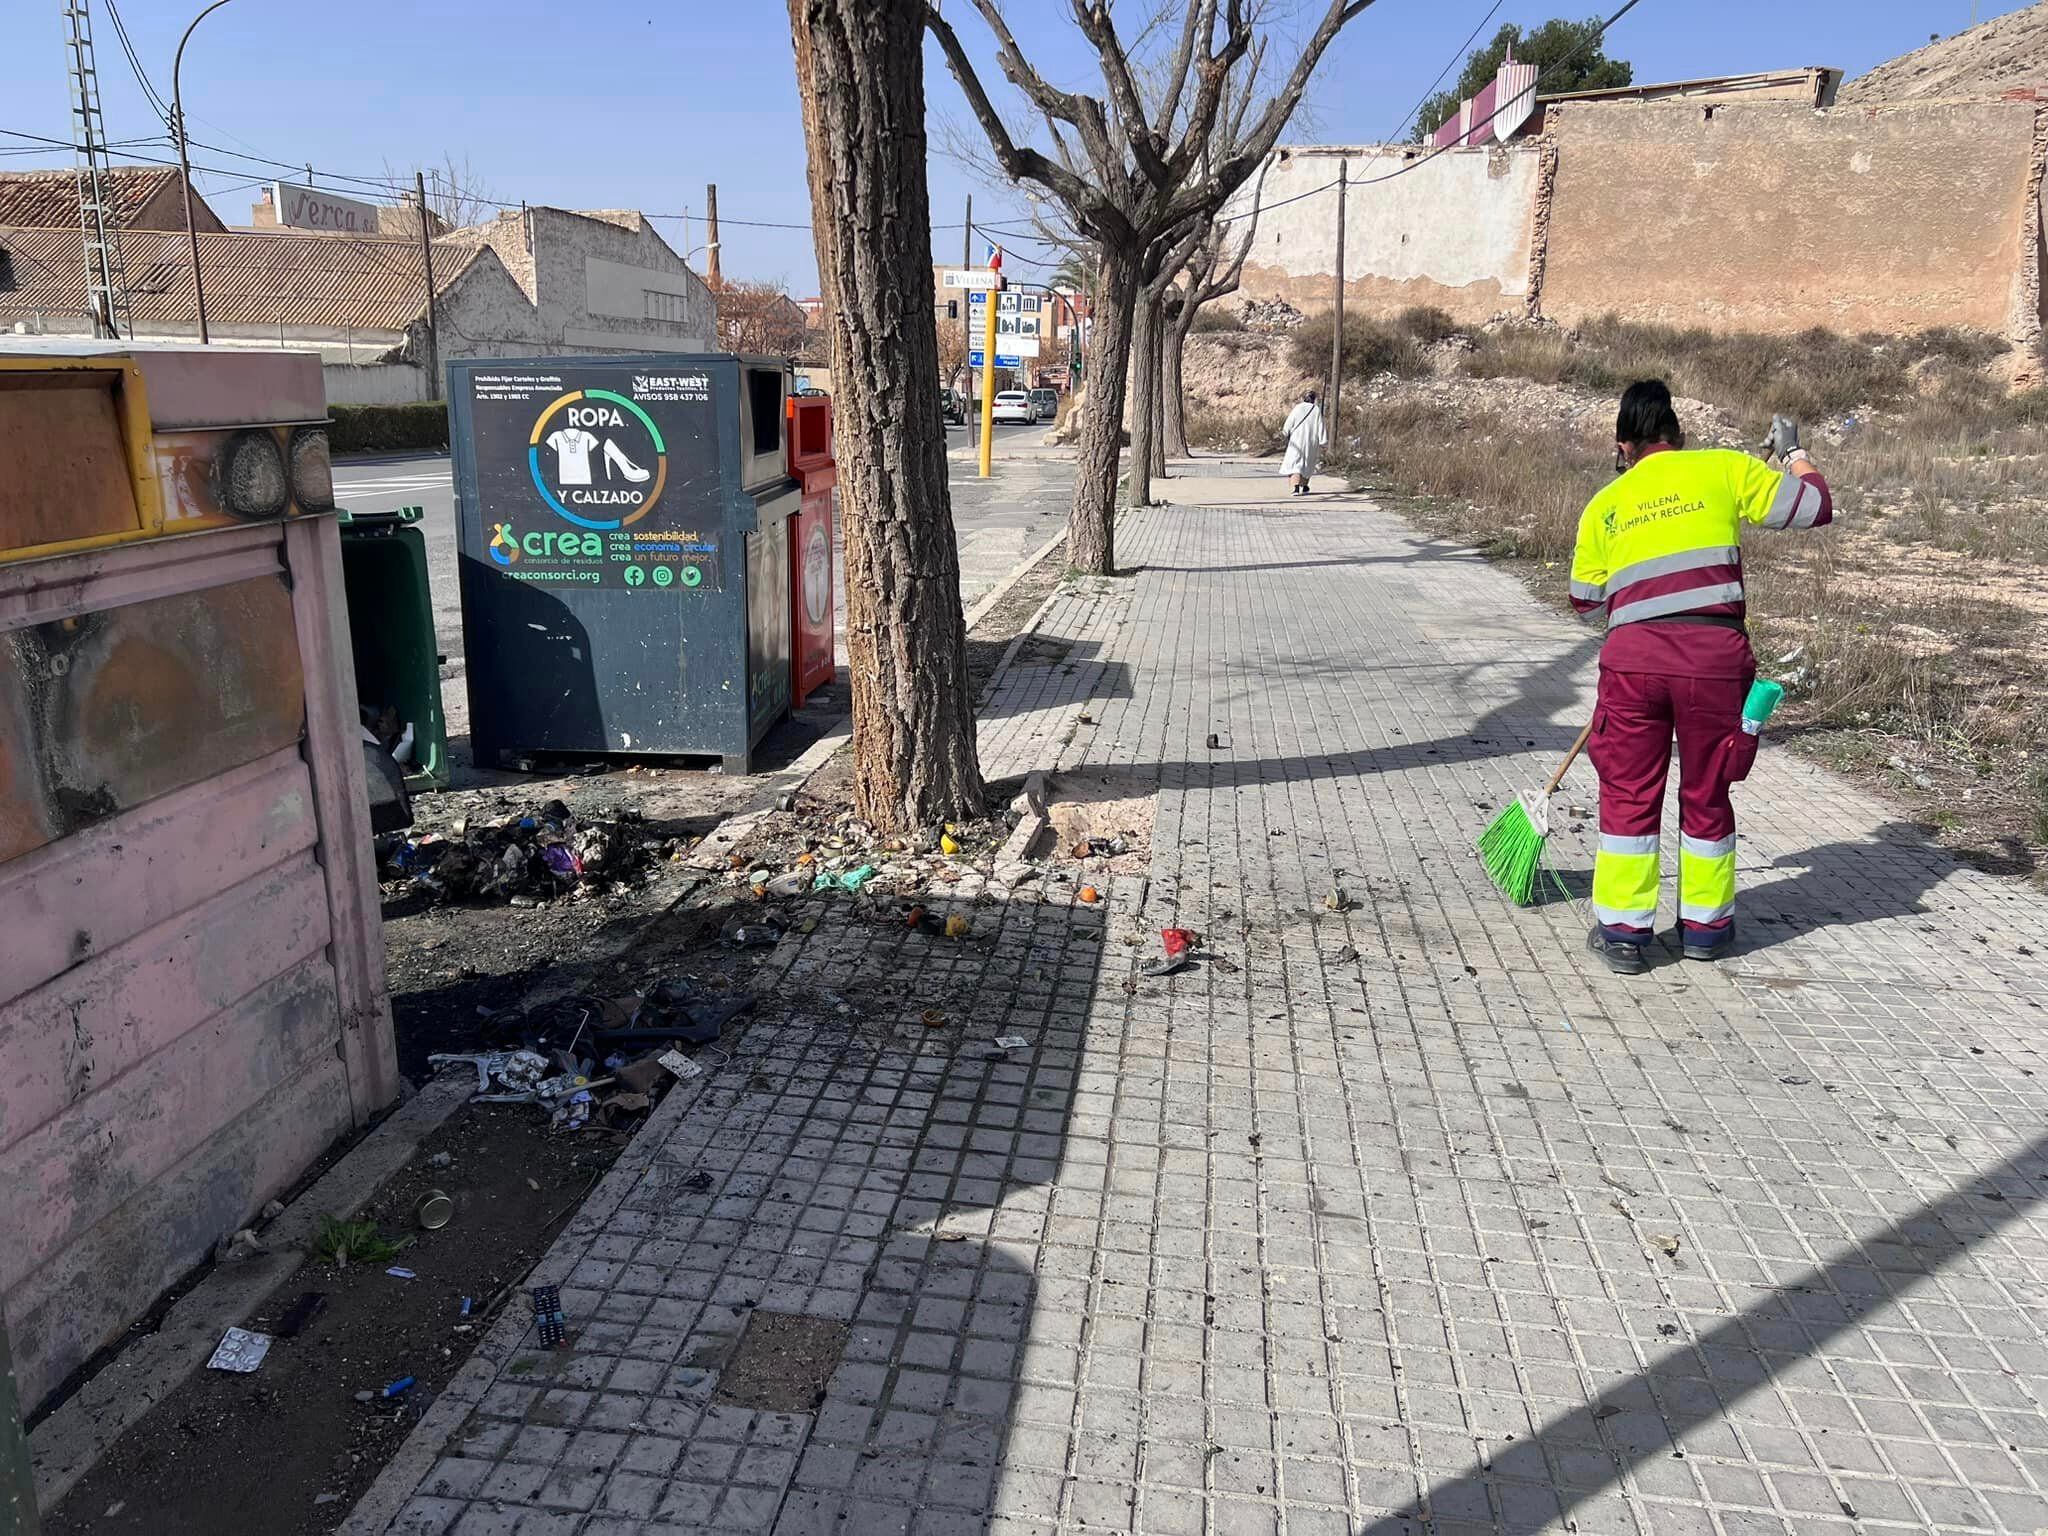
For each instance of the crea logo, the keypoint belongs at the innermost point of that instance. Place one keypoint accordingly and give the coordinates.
(504, 547)
(507, 547)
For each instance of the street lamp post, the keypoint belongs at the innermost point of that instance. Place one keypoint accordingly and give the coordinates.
(185, 165)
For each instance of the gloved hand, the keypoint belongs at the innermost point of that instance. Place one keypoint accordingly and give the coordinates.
(1784, 438)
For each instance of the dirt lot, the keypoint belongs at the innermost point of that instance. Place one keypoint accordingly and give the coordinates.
(1909, 635)
(287, 1449)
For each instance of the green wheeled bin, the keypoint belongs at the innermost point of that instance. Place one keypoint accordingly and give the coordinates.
(391, 630)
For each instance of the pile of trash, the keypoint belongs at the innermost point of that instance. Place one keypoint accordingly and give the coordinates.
(802, 855)
(526, 859)
(590, 1060)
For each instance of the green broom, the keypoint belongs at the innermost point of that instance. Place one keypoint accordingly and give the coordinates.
(1512, 847)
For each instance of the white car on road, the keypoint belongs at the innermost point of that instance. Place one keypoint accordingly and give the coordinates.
(1015, 405)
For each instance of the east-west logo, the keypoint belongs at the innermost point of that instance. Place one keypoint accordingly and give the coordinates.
(597, 459)
(504, 547)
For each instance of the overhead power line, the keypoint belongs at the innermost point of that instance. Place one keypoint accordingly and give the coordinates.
(1463, 49)
(149, 91)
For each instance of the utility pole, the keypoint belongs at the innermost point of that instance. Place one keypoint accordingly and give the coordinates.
(185, 165)
(106, 276)
(1337, 306)
(419, 187)
(711, 233)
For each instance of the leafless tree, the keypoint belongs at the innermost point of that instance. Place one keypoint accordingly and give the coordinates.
(760, 317)
(1135, 175)
(860, 77)
(1213, 271)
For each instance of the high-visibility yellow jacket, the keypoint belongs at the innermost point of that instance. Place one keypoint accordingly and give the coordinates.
(1664, 540)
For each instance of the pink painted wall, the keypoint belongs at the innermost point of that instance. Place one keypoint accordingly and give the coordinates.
(191, 986)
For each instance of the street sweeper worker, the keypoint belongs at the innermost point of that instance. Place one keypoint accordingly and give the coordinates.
(1659, 553)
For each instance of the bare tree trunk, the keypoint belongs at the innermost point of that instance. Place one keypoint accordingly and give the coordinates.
(861, 76)
(1176, 412)
(1144, 397)
(1162, 323)
(1091, 544)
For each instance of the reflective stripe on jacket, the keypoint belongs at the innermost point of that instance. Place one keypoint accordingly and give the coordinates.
(1665, 538)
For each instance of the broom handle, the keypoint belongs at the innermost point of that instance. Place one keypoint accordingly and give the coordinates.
(1570, 757)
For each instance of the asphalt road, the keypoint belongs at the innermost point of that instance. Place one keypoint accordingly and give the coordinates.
(999, 521)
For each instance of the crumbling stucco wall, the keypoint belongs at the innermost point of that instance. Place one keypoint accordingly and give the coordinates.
(1773, 217)
(1453, 233)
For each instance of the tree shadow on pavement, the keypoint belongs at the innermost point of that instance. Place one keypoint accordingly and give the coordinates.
(1839, 885)
(1532, 1485)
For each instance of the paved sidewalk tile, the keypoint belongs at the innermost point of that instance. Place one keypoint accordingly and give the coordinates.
(1400, 1218)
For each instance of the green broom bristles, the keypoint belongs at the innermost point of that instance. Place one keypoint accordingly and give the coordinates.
(1512, 849)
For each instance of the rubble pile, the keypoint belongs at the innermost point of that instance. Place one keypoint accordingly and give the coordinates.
(527, 858)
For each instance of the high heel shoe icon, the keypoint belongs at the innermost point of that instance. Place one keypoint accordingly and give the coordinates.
(633, 472)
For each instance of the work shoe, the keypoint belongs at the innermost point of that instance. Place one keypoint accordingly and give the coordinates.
(1702, 949)
(1622, 959)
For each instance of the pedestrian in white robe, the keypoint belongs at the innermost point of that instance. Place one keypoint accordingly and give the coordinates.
(1306, 436)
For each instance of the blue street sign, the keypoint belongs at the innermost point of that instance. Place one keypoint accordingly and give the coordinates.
(1002, 360)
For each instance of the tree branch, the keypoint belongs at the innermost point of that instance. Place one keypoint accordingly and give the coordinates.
(1093, 18)
(1019, 162)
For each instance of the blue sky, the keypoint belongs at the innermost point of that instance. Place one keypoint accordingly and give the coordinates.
(611, 104)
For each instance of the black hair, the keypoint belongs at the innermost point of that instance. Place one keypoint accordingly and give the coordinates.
(1309, 398)
(1646, 416)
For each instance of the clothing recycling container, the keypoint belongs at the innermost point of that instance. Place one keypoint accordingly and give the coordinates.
(812, 662)
(623, 528)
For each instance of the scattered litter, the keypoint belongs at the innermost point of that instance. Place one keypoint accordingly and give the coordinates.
(1006, 1043)
(958, 927)
(528, 858)
(548, 1316)
(239, 1351)
(794, 883)
(468, 1305)
(1099, 847)
(440, 1160)
(1606, 1411)
(329, 1498)
(272, 1209)
(1336, 900)
(698, 1180)
(301, 1312)
(755, 935)
(366, 1396)
(400, 1272)
(241, 1246)
(1795, 1082)
(1346, 955)
(398, 1388)
(1177, 944)
(1089, 895)
(679, 1064)
(1214, 743)
(948, 843)
(433, 1211)
(845, 880)
(933, 1019)
(517, 1072)
(1666, 1241)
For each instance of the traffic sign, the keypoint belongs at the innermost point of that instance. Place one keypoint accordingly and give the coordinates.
(1003, 359)
(977, 278)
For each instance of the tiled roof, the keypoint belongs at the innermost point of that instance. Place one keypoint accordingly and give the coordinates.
(336, 281)
(50, 198)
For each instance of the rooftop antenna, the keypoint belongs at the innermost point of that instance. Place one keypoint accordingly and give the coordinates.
(106, 276)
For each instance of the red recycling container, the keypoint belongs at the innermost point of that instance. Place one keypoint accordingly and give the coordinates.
(812, 664)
